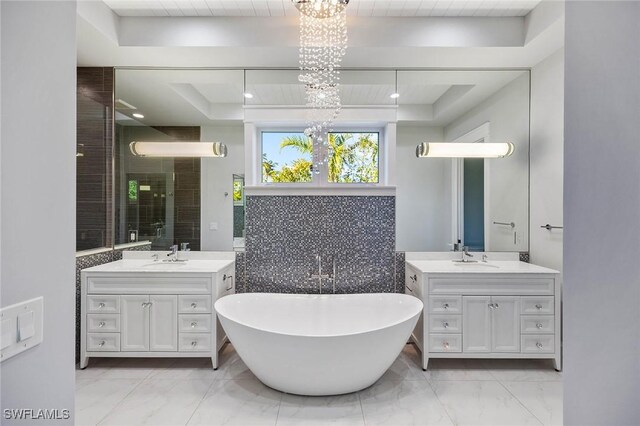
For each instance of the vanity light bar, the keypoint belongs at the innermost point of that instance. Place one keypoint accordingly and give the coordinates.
(464, 150)
(178, 149)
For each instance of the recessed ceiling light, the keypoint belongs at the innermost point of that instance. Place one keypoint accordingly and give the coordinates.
(138, 115)
(395, 95)
(248, 95)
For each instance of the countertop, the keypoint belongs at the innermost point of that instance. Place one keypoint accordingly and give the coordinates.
(149, 266)
(490, 267)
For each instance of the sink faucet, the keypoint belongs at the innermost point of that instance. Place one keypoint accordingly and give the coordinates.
(173, 256)
(465, 253)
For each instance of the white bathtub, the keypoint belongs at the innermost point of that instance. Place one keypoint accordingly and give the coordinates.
(318, 344)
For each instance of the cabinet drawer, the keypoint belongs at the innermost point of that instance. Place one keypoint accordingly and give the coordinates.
(537, 305)
(195, 342)
(198, 304)
(445, 304)
(157, 283)
(103, 342)
(539, 344)
(532, 324)
(445, 323)
(103, 304)
(492, 285)
(103, 323)
(445, 343)
(195, 323)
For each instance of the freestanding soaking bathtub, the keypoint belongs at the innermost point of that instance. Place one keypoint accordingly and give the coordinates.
(318, 344)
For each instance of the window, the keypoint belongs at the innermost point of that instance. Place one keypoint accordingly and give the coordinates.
(287, 157)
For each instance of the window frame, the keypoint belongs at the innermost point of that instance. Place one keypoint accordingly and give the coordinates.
(321, 180)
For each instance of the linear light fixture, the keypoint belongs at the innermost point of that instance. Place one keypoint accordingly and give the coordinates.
(464, 150)
(178, 149)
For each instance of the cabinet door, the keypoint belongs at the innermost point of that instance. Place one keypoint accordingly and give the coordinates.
(163, 323)
(505, 324)
(476, 324)
(134, 323)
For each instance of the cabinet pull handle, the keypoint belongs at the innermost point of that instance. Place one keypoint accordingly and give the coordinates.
(194, 324)
(445, 306)
(491, 306)
(194, 343)
(231, 278)
(538, 325)
(445, 324)
(538, 345)
(101, 305)
(408, 288)
(538, 306)
(194, 305)
(144, 304)
(496, 306)
(413, 277)
(102, 324)
(101, 344)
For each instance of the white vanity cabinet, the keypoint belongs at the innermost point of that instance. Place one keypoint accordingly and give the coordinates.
(498, 309)
(141, 308)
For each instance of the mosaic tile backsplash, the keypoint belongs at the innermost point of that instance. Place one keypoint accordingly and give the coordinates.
(284, 234)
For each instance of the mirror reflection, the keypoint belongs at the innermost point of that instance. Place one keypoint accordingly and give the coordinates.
(481, 203)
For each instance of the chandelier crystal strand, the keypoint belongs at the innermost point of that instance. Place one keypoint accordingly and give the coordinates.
(323, 43)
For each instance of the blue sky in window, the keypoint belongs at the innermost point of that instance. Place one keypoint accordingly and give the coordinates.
(271, 147)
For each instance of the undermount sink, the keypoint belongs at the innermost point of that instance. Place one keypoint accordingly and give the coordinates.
(469, 264)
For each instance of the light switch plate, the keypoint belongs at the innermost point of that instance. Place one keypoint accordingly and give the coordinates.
(22, 327)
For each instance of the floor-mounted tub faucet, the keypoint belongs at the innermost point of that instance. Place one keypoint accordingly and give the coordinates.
(320, 276)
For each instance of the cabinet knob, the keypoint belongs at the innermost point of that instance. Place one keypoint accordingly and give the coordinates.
(413, 277)
(194, 324)
(445, 324)
(194, 343)
(445, 345)
(445, 306)
(496, 306)
(194, 305)
(101, 305)
(101, 344)
(538, 325)
(491, 306)
(538, 306)
(102, 324)
(538, 345)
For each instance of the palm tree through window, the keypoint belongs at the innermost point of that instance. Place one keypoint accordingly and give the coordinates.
(353, 157)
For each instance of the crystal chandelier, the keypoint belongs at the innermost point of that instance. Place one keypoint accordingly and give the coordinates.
(323, 43)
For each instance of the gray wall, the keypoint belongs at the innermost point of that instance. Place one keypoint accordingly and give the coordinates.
(216, 179)
(546, 156)
(602, 211)
(38, 62)
(423, 193)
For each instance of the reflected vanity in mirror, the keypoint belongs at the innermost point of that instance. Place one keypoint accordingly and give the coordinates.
(238, 211)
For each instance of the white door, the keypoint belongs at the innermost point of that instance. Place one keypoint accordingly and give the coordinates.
(134, 323)
(476, 324)
(163, 323)
(505, 324)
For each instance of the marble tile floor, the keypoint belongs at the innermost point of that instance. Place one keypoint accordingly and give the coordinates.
(114, 391)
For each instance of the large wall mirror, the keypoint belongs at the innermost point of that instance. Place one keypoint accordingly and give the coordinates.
(481, 202)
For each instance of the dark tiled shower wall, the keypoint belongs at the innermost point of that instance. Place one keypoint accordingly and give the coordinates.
(94, 128)
(284, 233)
(88, 261)
(187, 189)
